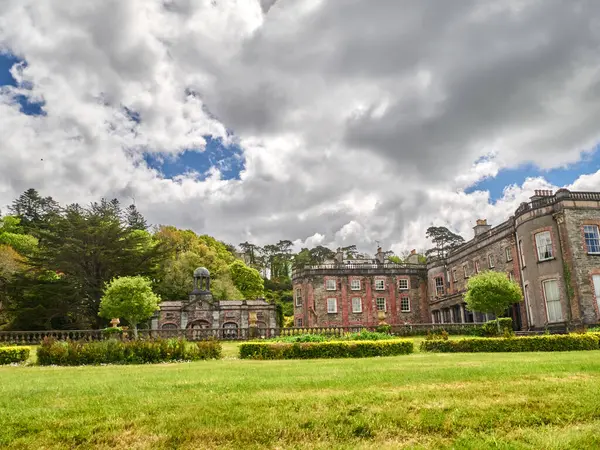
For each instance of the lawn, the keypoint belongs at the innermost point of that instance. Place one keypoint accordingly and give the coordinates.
(527, 400)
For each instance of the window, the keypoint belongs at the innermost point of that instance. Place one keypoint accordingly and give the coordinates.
(405, 304)
(330, 285)
(454, 275)
(298, 297)
(381, 306)
(466, 270)
(332, 305)
(356, 305)
(476, 266)
(380, 285)
(298, 322)
(552, 296)
(596, 281)
(592, 238)
(491, 261)
(403, 284)
(511, 276)
(355, 285)
(439, 286)
(508, 252)
(543, 243)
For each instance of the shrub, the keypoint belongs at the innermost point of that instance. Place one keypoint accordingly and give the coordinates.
(492, 328)
(384, 328)
(360, 336)
(435, 336)
(11, 355)
(313, 350)
(112, 351)
(553, 343)
(112, 332)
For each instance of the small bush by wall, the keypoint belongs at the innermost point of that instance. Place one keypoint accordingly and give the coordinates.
(332, 349)
(11, 355)
(71, 353)
(550, 343)
(360, 336)
(490, 328)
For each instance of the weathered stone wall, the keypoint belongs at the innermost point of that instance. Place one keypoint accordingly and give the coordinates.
(314, 312)
(581, 264)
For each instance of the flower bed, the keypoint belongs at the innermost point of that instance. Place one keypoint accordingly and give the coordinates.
(551, 343)
(331, 349)
(71, 353)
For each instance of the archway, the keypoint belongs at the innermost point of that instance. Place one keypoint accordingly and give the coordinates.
(230, 330)
(198, 329)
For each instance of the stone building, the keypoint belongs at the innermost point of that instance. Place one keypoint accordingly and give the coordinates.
(550, 246)
(227, 318)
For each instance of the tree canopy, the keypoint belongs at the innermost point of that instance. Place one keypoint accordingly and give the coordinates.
(130, 298)
(444, 241)
(492, 292)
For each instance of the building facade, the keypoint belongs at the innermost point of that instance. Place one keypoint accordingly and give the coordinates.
(550, 247)
(201, 312)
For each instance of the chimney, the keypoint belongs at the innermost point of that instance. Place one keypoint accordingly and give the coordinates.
(481, 227)
(380, 256)
(539, 193)
(413, 252)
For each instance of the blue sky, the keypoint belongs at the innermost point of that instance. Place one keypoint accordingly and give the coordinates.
(229, 159)
(231, 162)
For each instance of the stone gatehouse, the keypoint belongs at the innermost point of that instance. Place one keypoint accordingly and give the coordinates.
(550, 246)
(201, 312)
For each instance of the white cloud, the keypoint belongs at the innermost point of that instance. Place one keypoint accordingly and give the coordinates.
(356, 127)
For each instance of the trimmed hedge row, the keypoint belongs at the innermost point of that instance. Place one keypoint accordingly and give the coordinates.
(332, 349)
(11, 355)
(552, 343)
(71, 353)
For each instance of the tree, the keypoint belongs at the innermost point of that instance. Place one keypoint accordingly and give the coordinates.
(135, 220)
(247, 280)
(444, 240)
(33, 210)
(130, 298)
(492, 292)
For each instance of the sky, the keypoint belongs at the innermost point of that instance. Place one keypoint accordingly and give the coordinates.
(330, 122)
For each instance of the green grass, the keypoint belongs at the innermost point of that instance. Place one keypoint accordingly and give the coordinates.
(464, 401)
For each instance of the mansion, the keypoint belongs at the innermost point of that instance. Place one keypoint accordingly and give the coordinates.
(550, 247)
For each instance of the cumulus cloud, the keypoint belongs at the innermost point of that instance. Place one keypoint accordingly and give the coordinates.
(358, 121)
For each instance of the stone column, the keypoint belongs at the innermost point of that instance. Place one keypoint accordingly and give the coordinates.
(184, 319)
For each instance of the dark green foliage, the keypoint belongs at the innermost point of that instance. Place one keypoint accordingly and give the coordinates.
(112, 351)
(550, 343)
(113, 332)
(12, 355)
(333, 349)
(384, 328)
(492, 329)
(454, 330)
(444, 241)
(135, 220)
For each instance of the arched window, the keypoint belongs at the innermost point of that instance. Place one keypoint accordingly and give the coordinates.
(199, 324)
(230, 330)
(169, 326)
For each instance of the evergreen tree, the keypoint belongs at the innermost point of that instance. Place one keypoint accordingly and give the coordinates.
(135, 220)
(444, 240)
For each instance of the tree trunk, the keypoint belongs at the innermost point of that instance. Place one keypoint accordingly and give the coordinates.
(135, 331)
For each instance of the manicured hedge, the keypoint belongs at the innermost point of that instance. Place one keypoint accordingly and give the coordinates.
(551, 343)
(71, 353)
(10, 355)
(332, 349)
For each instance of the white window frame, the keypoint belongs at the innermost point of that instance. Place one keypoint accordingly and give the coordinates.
(402, 300)
(355, 285)
(384, 304)
(382, 288)
(403, 280)
(437, 287)
(508, 254)
(491, 263)
(543, 249)
(596, 232)
(521, 254)
(330, 301)
(298, 297)
(477, 268)
(596, 287)
(359, 309)
(331, 285)
(545, 292)
(466, 270)
(511, 275)
(454, 277)
(299, 319)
